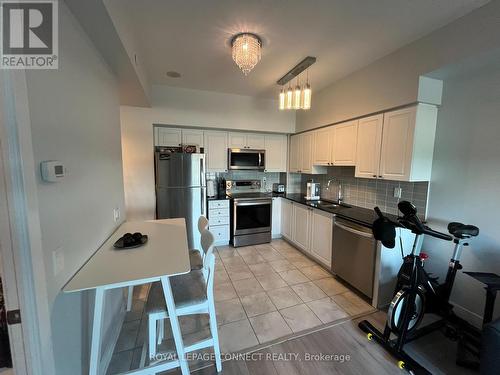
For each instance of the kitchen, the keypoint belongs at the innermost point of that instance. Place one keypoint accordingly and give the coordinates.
(239, 161)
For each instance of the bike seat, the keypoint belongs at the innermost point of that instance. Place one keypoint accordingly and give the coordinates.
(460, 230)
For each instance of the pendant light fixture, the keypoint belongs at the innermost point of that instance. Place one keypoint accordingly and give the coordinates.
(246, 51)
(298, 97)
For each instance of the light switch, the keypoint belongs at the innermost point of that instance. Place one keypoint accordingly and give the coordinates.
(116, 214)
(397, 192)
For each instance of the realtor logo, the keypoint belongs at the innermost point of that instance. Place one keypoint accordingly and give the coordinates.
(29, 34)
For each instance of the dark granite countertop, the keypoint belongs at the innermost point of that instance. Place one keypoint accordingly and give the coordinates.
(363, 216)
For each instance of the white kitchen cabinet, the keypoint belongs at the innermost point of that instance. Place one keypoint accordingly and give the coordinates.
(246, 140)
(369, 146)
(301, 223)
(192, 137)
(295, 152)
(321, 237)
(286, 218)
(306, 156)
(216, 151)
(218, 218)
(168, 137)
(322, 146)
(345, 138)
(276, 218)
(276, 152)
(408, 143)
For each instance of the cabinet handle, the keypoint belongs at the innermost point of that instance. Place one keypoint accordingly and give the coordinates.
(375, 176)
(380, 176)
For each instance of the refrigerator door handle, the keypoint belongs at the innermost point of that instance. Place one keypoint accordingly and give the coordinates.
(203, 199)
(202, 171)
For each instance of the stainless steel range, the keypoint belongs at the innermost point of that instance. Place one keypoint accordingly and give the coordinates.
(251, 212)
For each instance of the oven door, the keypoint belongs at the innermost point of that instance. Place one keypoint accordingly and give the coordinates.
(240, 159)
(252, 216)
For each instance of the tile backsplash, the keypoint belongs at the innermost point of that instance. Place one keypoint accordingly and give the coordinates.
(363, 192)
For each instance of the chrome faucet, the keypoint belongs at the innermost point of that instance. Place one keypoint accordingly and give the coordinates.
(340, 196)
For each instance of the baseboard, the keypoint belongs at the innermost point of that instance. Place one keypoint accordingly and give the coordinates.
(113, 339)
(473, 318)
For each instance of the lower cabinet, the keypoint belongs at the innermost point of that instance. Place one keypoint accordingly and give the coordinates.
(321, 237)
(218, 217)
(276, 219)
(309, 229)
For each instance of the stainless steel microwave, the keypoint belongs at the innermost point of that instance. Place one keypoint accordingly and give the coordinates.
(246, 159)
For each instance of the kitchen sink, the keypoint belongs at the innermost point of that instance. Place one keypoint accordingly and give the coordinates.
(326, 204)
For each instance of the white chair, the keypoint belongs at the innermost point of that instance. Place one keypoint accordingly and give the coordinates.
(193, 294)
(195, 258)
(196, 255)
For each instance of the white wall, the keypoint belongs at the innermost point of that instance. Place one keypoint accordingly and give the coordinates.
(75, 119)
(394, 80)
(183, 107)
(465, 184)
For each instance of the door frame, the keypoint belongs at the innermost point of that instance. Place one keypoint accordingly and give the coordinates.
(26, 283)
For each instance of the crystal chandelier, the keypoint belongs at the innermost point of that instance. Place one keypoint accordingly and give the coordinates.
(247, 49)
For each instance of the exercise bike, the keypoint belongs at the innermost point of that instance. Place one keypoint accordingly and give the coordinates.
(417, 292)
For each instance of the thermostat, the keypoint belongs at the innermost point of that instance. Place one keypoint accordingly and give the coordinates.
(52, 170)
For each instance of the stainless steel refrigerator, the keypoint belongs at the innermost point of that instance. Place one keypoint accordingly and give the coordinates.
(180, 189)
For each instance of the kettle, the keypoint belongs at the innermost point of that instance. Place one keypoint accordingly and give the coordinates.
(211, 188)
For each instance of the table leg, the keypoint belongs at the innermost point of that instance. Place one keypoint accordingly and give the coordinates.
(174, 322)
(95, 349)
(129, 297)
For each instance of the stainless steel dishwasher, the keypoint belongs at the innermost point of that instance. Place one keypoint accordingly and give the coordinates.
(353, 254)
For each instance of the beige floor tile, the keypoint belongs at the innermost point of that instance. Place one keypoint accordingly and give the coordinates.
(236, 336)
(271, 281)
(239, 273)
(281, 265)
(300, 317)
(293, 277)
(253, 258)
(327, 310)
(281, 244)
(221, 276)
(315, 272)
(352, 303)
(226, 251)
(330, 286)
(229, 311)
(263, 247)
(296, 255)
(232, 262)
(246, 250)
(128, 336)
(271, 255)
(247, 287)
(257, 304)
(191, 323)
(308, 291)
(261, 269)
(224, 291)
(270, 326)
(301, 263)
(284, 297)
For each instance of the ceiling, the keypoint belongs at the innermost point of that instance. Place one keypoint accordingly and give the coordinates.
(192, 37)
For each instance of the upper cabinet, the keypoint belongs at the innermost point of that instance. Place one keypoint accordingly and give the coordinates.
(397, 145)
(345, 138)
(322, 146)
(193, 137)
(276, 152)
(216, 146)
(408, 143)
(369, 146)
(168, 137)
(246, 140)
(301, 154)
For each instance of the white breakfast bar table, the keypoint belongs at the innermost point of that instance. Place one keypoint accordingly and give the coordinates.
(165, 254)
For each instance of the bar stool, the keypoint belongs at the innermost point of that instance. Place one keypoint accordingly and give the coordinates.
(195, 258)
(196, 255)
(193, 294)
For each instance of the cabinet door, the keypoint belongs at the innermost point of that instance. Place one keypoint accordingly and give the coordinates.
(294, 153)
(322, 149)
(216, 151)
(276, 221)
(276, 151)
(344, 143)
(256, 141)
(321, 237)
(192, 137)
(286, 218)
(306, 143)
(301, 226)
(237, 140)
(369, 145)
(397, 144)
(168, 137)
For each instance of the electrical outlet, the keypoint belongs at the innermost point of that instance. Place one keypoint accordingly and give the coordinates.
(58, 260)
(397, 192)
(116, 214)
